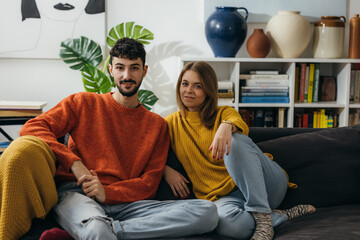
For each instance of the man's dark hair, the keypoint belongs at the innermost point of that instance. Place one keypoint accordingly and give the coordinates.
(128, 48)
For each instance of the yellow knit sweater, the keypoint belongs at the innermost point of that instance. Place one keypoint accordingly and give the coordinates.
(191, 140)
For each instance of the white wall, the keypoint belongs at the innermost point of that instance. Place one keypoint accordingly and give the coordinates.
(178, 28)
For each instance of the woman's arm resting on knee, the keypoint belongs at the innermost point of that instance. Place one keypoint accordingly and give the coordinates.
(222, 139)
(177, 182)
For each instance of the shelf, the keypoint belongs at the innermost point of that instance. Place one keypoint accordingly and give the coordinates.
(231, 68)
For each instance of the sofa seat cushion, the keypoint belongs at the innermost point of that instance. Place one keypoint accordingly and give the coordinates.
(324, 164)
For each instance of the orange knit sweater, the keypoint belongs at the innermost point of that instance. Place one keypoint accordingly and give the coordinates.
(126, 147)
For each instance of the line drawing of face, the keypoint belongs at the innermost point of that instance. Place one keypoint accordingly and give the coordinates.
(56, 10)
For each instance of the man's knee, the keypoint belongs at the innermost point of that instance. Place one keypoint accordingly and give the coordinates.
(97, 228)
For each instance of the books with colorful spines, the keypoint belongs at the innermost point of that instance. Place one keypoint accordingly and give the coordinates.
(264, 99)
(311, 83)
(316, 83)
(22, 105)
(267, 82)
(302, 82)
(226, 95)
(20, 113)
(305, 120)
(263, 76)
(306, 91)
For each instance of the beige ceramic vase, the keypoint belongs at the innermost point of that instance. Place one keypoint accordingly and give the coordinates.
(289, 33)
(258, 44)
(329, 37)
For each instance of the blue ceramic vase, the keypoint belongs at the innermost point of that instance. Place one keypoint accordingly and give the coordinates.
(225, 31)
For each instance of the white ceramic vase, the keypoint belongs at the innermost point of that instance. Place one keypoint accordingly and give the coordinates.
(289, 33)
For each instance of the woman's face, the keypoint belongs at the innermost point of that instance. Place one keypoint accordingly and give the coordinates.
(60, 11)
(191, 91)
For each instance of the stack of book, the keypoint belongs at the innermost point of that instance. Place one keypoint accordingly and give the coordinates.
(307, 83)
(355, 83)
(316, 119)
(354, 117)
(264, 87)
(264, 117)
(226, 95)
(21, 108)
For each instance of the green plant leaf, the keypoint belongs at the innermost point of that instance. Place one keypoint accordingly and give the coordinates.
(129, 29)
(95, 80)
(80, 51)
(147, 98)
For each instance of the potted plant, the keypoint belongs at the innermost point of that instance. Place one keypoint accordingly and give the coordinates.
(85, 55)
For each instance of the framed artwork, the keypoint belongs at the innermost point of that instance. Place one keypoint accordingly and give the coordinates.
(260, 11)
(36, 28)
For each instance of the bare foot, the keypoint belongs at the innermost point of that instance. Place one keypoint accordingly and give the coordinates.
(297, 211)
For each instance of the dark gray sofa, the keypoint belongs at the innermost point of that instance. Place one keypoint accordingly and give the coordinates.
(325, 163)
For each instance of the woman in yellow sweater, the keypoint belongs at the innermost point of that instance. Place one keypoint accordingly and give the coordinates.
(222, 162)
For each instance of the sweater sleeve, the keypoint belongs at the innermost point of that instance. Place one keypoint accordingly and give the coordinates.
(144, 186)
(51, 125)
(231, 114)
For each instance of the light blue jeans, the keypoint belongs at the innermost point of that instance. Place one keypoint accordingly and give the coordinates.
(261, 186)
(85, 218)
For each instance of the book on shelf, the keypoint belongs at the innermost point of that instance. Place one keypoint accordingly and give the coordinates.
(302, 82)
(274, 94)
(226, 85)
(306, 91)
(263, 76)
(357, 86)
(268, 72)
(225, 91)
(226, 94)
(352, 84)
(316, 83)
(265, 99)
(297, 82)
(264, 89)
(311, 83)
(225, 101)
(316, 119)
(281, 118)
(267, 82)
(22, 104)
(259, 118)
(20, 113)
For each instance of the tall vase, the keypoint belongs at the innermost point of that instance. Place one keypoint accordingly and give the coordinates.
(226, 30)
(258, 44)
(289, 33)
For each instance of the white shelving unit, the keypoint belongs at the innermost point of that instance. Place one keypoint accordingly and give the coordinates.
(230, 68)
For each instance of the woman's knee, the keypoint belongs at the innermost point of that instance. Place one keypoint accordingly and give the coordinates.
(207, 215)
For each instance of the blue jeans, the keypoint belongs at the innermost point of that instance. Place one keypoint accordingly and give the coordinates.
(261, 186)
(87, 219)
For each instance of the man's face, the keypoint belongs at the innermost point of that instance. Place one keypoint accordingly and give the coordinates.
(128, 75)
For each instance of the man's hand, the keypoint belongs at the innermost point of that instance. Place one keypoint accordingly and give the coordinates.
(221, 140)
(92, 186)
(177, 182)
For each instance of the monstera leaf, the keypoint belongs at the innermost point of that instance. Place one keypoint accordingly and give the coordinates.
(80, 51)
(147, 98)
(95, 80)
(129, 29)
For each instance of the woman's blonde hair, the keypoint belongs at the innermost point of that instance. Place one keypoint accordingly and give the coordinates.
(208, 109)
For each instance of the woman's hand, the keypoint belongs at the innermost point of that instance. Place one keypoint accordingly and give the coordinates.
(221, 140)
(177, 182)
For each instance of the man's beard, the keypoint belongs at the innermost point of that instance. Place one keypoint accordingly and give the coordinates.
(128, 94)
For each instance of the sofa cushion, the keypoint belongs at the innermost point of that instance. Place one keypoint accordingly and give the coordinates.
(324, 164)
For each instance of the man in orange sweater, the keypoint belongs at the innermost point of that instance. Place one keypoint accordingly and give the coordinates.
(114, 161)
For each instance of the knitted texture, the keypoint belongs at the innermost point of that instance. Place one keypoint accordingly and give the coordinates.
(126, 147)
(191, 140)
(27, 187)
